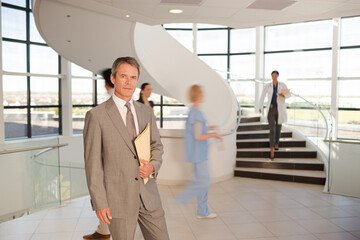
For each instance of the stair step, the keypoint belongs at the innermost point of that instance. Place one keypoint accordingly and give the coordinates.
(248, 119)
(253, 126)
(298, 164)
(314, 177)
(260, 134)
(264, 143)
(281, 160)
(281, 153)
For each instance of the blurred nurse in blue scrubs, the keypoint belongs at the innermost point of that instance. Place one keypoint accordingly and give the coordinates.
(196, 144)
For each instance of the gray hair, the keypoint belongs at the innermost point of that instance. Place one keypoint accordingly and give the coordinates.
(129, 60)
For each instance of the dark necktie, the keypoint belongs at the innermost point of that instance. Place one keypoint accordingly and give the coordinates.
(130, 124)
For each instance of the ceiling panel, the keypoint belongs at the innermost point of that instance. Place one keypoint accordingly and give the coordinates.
(271, 4)
(215, 12)
(227, 3)
(142, 9)
(305, 8)
(155, 2)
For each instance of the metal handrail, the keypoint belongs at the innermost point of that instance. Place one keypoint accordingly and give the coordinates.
(34, 157)
(341, 141)
(32, 148)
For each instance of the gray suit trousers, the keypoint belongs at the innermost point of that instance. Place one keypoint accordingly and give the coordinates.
(275, 128)
(152, 225)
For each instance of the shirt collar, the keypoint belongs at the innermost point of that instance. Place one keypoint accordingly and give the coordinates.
(120, 102)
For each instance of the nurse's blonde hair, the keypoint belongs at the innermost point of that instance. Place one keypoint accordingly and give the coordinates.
(194, 93)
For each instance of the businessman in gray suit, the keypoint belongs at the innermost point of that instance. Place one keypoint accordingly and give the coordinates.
(114, 176)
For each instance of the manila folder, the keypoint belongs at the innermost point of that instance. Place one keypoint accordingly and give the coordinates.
(142, 145)
(284, 92)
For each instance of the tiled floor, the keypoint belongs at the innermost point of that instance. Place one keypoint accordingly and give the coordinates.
(246, 208)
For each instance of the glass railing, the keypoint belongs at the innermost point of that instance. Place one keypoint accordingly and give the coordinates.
(36, 177)
(310, 119)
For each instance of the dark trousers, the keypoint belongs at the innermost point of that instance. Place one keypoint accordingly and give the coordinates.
(275, 128)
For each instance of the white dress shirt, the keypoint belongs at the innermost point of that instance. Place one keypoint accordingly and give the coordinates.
(123, 110)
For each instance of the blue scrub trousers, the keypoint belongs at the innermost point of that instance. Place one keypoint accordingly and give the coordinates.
(199, 189)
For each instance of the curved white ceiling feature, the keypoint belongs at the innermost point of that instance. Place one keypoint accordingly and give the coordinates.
(94, 40)
(176, 69)
(232, 13)
(90, 39)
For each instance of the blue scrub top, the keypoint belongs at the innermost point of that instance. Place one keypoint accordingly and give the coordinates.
(196, 151)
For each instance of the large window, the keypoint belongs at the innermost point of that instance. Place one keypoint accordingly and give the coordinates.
(301, 50)
(242, 64)
(31, 85)
(229, 52)
(349, 82)
(84, 95)
(302, 53)
(183, 33)
(212, 47)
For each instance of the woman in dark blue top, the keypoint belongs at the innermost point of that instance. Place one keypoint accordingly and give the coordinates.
(145, 93)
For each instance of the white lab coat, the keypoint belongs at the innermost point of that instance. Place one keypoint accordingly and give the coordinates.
(268, 89)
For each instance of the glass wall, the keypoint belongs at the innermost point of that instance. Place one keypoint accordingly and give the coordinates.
(31, 84)
(85, 95)
(183, 33)
(301, 52)
(230, 52)
(242, 59)
(349, 81)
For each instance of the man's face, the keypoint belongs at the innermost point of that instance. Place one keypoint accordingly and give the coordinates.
(274, 76)
(125, 81)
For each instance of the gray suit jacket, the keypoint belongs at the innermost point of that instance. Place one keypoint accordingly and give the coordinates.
(111, 162)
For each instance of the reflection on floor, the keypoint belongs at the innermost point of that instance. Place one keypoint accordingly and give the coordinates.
(247, 209)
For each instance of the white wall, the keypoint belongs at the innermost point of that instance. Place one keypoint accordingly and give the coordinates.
(175, 169)
(344, 169)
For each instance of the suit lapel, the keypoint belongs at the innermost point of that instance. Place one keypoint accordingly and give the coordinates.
(118, 122)
(139, 113)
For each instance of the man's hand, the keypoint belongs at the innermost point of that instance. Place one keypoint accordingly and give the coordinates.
(146, 169)
(259, 110)
(104, 215)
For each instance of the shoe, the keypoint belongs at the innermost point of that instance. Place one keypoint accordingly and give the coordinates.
(97, 236)
(272, 154)
(210, 216)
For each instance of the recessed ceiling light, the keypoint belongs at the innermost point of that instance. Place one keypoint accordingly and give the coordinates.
(175, 11)
(127, 15)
